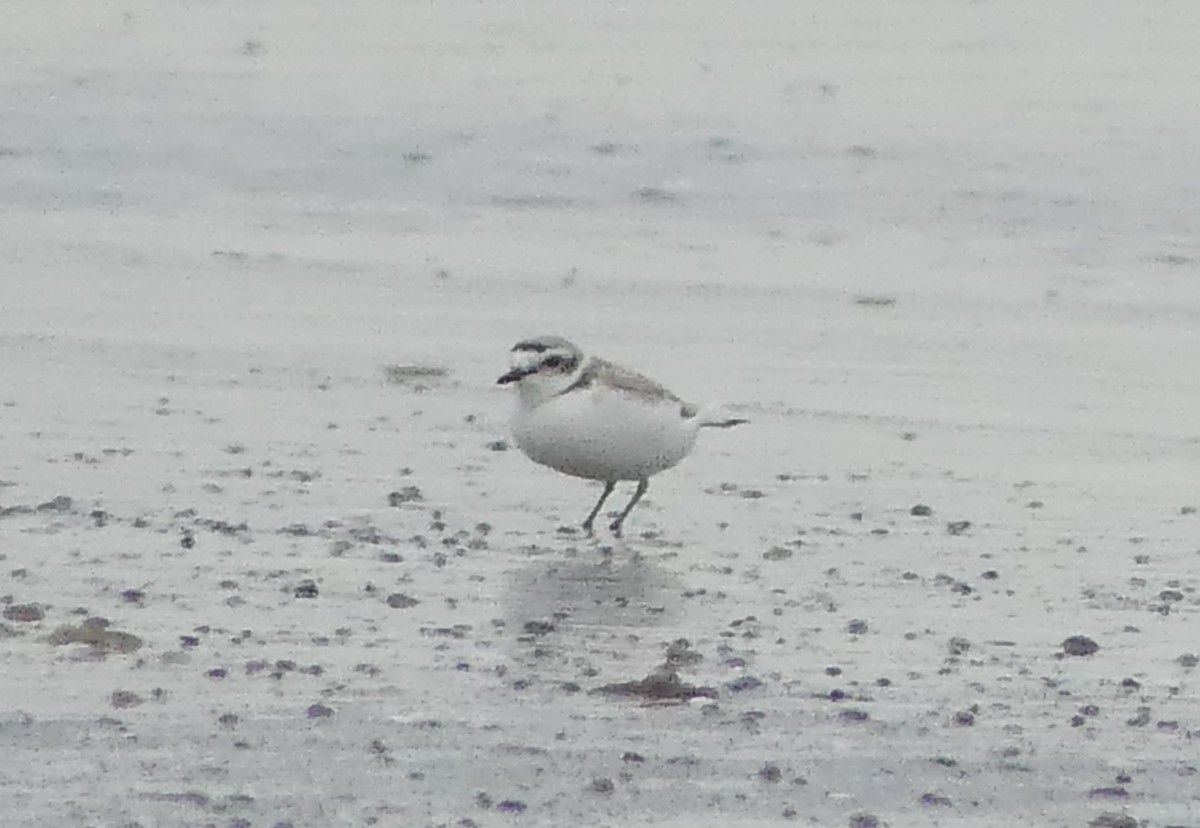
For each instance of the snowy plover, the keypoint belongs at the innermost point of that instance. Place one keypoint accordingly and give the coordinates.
(597, 420)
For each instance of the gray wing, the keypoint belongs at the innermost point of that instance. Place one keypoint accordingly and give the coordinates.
(602, 372)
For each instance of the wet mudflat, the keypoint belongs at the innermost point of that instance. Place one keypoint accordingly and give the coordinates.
(267, 557)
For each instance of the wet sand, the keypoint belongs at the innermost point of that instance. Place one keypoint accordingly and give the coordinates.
(268, 558)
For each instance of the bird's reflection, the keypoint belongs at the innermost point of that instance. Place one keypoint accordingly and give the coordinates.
(602, 587)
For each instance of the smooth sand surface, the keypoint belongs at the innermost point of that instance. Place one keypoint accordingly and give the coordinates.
(266, 561)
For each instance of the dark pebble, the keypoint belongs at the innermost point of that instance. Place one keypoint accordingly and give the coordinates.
(1080, 645)
(920, 510)
(305, 589)
(744, 683)
(318, 711)
(1110, 820)
(122, 699)
(62, 503)
(26, 613)
(959, 646)
(602, 785)
(770, 772)
(409, 494)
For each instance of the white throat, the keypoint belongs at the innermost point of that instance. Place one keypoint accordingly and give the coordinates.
(536, 390)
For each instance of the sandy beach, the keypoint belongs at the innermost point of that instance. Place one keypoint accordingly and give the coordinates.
(269, 558)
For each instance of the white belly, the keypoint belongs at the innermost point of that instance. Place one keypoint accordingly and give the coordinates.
(605, 435)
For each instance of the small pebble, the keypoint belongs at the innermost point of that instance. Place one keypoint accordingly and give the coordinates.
(409, 494)
(24, 613)
(770, 772)
(1080, 645)
(122, 699)
(398, 600)
(602, 785)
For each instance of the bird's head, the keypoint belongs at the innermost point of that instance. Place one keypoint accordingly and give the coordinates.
(543, 367)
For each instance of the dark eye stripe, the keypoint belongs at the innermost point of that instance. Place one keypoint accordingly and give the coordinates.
(553, 362)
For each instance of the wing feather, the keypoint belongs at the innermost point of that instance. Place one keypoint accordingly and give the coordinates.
(602, 372)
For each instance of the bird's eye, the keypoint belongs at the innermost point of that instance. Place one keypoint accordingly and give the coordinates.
(553, 362)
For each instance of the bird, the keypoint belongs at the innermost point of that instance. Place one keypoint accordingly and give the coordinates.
(593, 419)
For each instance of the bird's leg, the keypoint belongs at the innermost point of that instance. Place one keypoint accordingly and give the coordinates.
(609, 485)
(642, 487)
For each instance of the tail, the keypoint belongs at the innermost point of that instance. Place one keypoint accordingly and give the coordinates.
(729, 423)
(710, 416)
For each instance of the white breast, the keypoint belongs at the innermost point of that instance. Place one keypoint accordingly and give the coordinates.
(605, 434)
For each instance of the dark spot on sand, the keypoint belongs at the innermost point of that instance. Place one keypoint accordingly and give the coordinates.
(1080, 645)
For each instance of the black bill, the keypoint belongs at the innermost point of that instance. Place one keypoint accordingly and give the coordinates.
(516, 374)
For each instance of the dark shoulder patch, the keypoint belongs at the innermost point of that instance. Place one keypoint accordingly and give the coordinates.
(586, 377)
